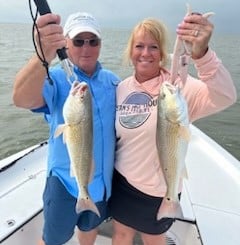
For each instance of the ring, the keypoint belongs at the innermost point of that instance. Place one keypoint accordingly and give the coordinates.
(196, 33)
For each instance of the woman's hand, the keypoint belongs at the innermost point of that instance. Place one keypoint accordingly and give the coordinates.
(197, 30)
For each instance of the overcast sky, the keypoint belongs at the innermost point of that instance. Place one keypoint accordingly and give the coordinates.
(126, 13)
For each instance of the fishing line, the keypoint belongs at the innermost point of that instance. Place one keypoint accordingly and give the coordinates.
(40, 56)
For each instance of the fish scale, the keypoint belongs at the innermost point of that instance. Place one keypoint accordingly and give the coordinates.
(78, 136)
(172, 141)
(173, 132)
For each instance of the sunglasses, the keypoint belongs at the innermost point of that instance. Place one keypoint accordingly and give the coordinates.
(80, 42)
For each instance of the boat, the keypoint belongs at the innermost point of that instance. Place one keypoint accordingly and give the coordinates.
(210, 198)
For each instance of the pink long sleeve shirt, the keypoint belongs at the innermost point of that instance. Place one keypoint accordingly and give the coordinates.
(136, 118)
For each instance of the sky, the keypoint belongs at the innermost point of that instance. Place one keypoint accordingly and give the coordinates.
(126, 13)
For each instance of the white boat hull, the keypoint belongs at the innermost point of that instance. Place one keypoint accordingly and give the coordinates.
(210, 196)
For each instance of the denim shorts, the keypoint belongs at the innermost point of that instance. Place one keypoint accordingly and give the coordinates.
(60, 217)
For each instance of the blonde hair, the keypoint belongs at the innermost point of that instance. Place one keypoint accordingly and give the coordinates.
(157, 30)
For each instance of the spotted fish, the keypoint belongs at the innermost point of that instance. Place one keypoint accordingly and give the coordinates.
(78, 136)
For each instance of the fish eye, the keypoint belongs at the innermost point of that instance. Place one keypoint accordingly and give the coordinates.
(163, 95)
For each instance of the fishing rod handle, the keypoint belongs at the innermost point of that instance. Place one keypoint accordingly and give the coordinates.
(43, 8)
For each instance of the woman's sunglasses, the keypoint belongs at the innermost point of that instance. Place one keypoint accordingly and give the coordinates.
(80, 42)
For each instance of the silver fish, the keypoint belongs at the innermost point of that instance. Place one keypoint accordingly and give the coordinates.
(172, 138)
(173, 132)
(182, 52)
(78, 134)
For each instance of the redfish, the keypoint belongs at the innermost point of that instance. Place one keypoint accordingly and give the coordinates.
(78, 136)
(172, 137)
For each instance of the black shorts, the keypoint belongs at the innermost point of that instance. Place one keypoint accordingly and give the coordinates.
(136, 209)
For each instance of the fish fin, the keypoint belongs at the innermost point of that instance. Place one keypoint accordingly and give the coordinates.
(84, 204)
(184, 173)
(185, 133)
(170, 209)
(59, 130)
(184, 61)
(208, 14)
(72, 174)
(92, 169)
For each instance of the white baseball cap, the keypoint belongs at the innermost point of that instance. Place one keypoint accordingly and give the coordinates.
(81, 22)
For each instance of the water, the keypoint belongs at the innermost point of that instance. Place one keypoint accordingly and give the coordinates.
(19, 128)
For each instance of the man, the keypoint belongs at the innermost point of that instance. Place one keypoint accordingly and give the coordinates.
(32, 90)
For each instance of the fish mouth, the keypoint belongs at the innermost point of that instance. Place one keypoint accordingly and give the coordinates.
(167, 89)
(170, 87)
(79, 89)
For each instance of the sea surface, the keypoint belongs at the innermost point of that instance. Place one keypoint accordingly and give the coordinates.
(20, 128)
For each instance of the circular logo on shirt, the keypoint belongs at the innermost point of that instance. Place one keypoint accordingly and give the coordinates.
(135, 109)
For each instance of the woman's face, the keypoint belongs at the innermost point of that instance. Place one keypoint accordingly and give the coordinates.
(145, 56)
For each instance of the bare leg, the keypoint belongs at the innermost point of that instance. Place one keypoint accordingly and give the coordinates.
(87, 237)
(122, 234)
(149, 239)
(41, 242)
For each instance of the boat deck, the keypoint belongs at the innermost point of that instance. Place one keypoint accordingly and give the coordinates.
(104, 237)
(210, 195)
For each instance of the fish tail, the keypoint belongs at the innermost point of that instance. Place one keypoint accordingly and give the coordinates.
(84, 204)
(170, 209)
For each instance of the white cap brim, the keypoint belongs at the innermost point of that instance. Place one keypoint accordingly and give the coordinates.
(75, 31)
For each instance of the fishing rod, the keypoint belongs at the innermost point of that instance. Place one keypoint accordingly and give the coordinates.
(43, 8)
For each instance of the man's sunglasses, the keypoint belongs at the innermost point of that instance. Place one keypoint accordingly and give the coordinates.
(80, 42)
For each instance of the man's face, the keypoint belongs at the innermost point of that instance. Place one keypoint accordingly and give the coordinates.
(84, 50)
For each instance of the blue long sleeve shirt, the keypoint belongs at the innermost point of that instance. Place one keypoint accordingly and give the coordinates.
(102, 86)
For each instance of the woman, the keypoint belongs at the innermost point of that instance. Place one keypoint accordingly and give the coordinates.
(138, 183)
